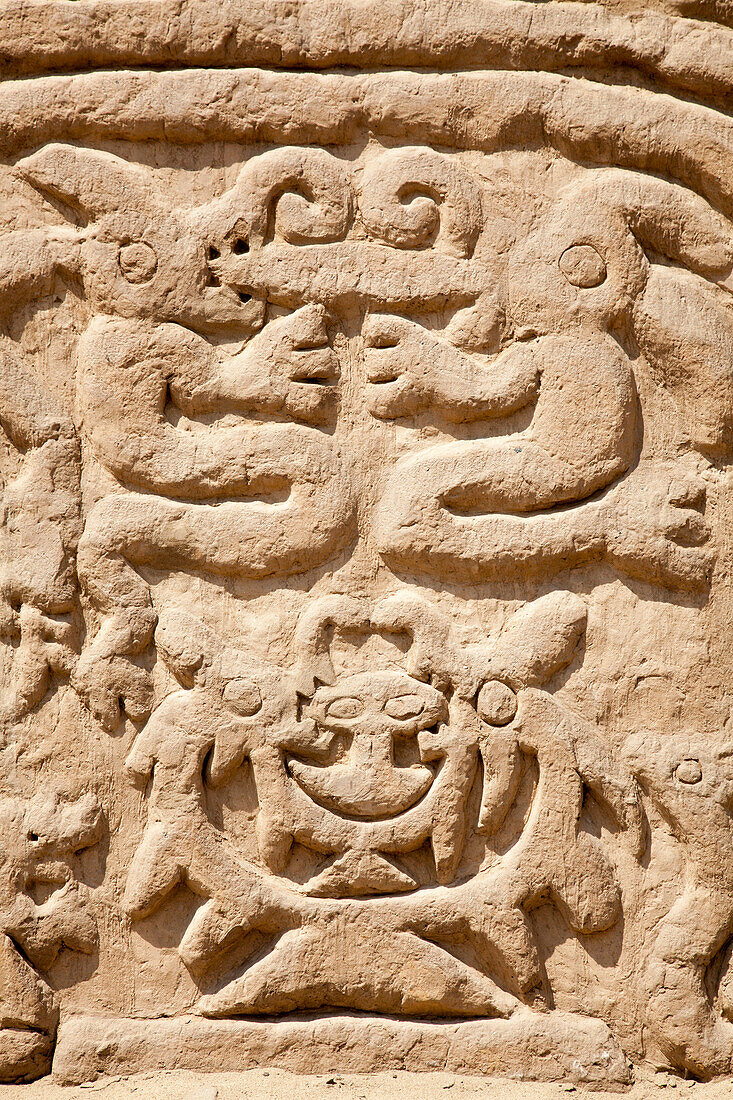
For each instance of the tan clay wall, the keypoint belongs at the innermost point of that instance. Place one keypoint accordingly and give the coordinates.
(366, 393)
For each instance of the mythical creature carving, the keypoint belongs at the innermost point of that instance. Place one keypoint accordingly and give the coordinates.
(324, 385)
(147, 276)
(689, 780)
(330, 777)
(555, 333)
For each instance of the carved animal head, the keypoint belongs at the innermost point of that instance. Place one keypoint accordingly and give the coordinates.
(683, 774)
(140, 258)
(585, 262)
(43, 904)
(43, 907)
(637, 256)
(47, 826)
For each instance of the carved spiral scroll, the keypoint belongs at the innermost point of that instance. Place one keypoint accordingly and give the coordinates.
(409, 195)
(308, 189)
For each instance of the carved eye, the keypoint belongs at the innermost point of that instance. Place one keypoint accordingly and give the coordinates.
(689, 771)
(345, 708)
(243, 696)
(582, 266)
(496, 703)
(404, 707)
(138, 262)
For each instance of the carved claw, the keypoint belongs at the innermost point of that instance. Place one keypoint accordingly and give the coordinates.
(410, 369)
(107, 680)
(215, 925)
(109, 686)
(657, 530)
(297, 365)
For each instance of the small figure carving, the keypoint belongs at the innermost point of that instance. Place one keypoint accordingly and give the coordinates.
(40, 525)
(43, 908)
(689, 780)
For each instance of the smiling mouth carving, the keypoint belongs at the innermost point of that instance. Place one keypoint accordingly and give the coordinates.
(379, 791)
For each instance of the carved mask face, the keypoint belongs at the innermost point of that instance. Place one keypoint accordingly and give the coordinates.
(371, 709)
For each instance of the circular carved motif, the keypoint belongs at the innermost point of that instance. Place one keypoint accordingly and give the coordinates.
(138, 262)
(689, 771)
(583, 266)
(243, 696)
(497, 703)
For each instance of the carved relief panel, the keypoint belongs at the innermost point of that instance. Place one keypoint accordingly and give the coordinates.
(364, 562)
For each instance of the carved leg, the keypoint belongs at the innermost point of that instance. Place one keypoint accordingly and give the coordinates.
(342, 960)
(680, 1016)
(105, 677)
(649, 526)
(414, 529)
(488, 912)
(216, 926)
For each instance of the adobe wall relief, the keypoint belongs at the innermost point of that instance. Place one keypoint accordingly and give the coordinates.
(366, 545)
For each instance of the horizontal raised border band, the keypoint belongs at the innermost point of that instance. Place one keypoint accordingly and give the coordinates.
(675, 53)
(530, 1045)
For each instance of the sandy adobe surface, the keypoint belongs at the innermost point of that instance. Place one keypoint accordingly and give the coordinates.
(280, 1085)
(366, 513)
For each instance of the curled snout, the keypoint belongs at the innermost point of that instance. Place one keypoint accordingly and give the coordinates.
(354, 272)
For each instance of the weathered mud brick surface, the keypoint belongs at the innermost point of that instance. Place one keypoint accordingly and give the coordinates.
(366, 393)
